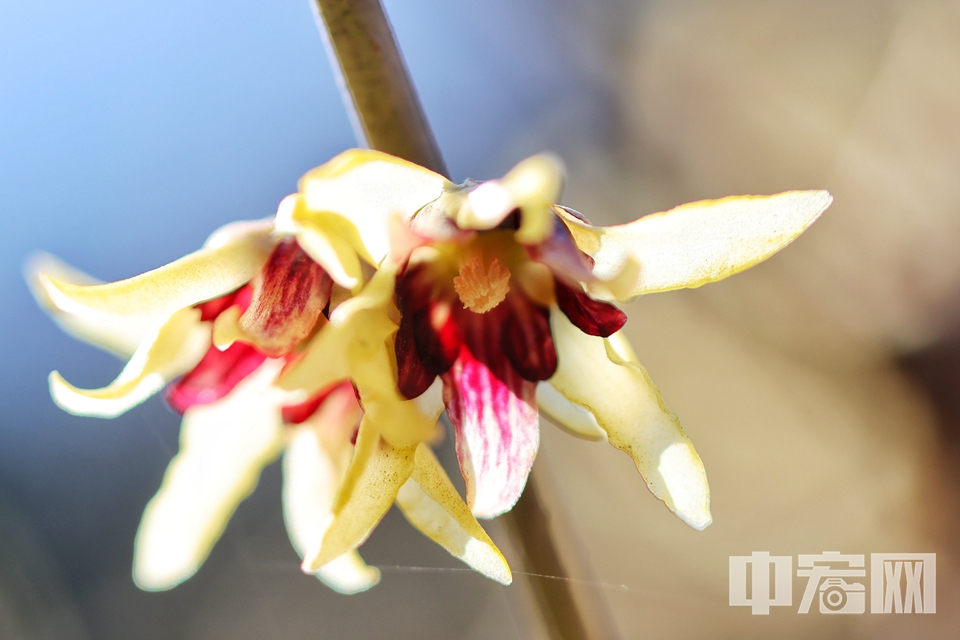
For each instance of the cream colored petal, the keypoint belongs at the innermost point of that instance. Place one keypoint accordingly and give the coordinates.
(534, 184)
(348, 574)
(203, 275)
(531, 186)
(331, 240)
(431, 504)
(226, 329)
(120, 336)
(367, 187)
(695, 243)
(171, 349)
(571, 417)
(337, 257)
(358, 345)
(223, 447)
(312, 472)
(374, 477)
(602, 376)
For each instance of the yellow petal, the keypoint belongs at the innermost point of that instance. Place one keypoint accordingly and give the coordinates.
(367, 187)
(374, 477)
(203, 275)
(226, 329)
(223, 447)
(357, 345)
(120, 336)
(534, 184)
(531, 186)
(312, 471)
(331, 240)
(348, 574)
(602, 376)
(695, 243)
(571, 417)
(170, 350)
(431, 504)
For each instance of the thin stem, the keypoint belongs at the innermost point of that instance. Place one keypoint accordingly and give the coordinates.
(388, 117)
(377, 89)
(530, 530)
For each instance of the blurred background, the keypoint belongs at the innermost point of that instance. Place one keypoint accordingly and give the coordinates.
(822, 388)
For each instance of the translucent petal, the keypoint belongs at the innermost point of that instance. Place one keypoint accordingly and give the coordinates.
(315, 461)
(171, 349)
(367, 187)
(223, 447)
(602, 375)
(571, 417)
(431, 504)
(374, 477)
(202, 275)
(120, 336)
(695, 243)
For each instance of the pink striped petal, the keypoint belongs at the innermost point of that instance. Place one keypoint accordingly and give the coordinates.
(497, 428)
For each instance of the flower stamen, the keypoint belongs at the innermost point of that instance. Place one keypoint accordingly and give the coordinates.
(480, 289)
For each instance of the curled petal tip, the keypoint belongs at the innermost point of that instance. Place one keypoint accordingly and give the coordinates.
(108, 402)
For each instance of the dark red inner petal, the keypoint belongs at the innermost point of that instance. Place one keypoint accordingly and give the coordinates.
(413, 378)
(516, 335)
(526, 340)
(437, 337)
(289, 294)
(435, 328)
(215, 376)
(428, 342)
(298, 413)
(593, 317)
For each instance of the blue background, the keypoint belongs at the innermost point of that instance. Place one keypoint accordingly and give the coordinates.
(128, 132)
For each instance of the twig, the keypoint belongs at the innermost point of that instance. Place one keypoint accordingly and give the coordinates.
(388, 117)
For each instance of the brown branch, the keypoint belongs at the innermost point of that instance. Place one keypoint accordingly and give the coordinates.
(381, 94)
(389, 117)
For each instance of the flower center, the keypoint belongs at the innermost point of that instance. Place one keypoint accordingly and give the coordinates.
(482, 289)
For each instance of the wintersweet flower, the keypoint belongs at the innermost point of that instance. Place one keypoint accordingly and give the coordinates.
(217, 328)
(504, 299)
